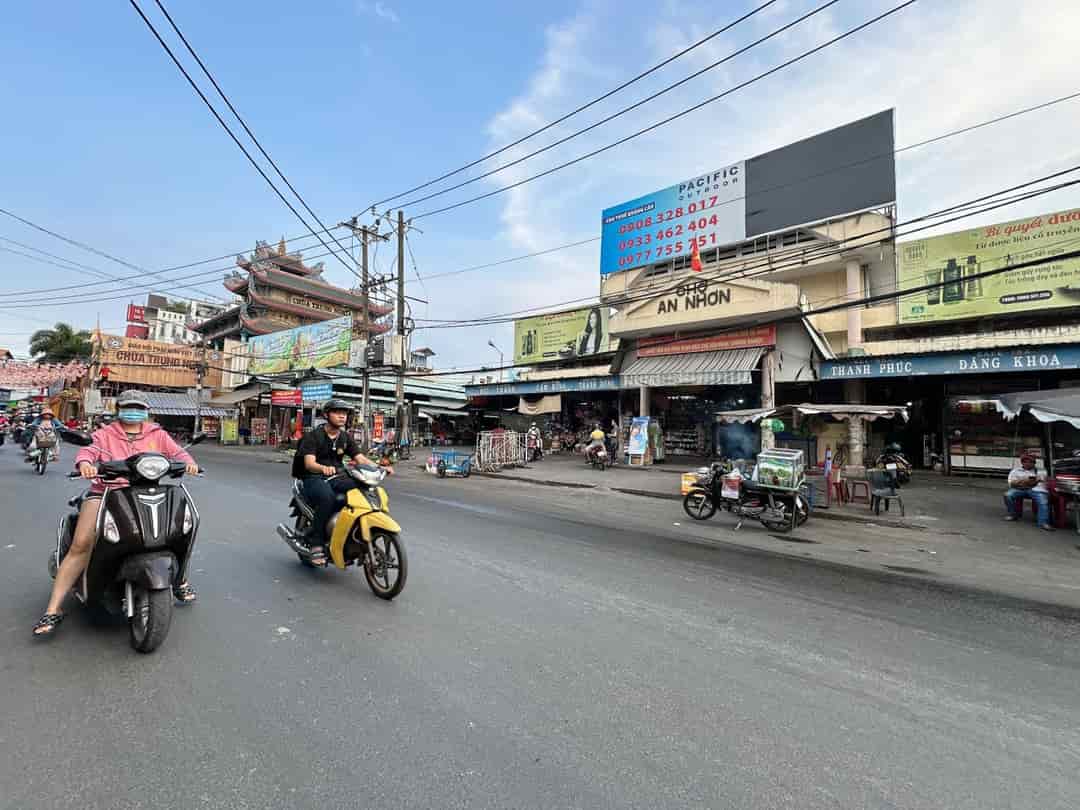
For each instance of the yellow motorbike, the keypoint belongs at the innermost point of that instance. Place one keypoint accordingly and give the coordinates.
(361, 532)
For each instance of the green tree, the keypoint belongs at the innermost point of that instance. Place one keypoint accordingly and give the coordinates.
(60, 344)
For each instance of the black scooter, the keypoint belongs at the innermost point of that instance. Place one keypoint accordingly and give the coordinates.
(146, 533)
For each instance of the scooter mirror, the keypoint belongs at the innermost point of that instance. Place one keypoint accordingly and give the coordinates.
(76, 437)
(198, 438)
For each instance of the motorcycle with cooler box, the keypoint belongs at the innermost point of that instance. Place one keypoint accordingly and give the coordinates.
(776, 493)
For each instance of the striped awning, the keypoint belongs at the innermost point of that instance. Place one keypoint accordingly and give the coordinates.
(728, 367)
(177, 404)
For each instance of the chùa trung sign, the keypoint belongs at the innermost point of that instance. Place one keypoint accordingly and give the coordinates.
(994, 361)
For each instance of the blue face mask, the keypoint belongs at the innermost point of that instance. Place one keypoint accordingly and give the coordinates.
(132, 415)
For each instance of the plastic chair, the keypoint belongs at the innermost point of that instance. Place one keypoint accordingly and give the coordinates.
(881, 489)
(860, 492)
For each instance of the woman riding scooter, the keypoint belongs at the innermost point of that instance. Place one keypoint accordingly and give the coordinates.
(130, 435)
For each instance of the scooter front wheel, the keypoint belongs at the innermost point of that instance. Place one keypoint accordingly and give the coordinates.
(385, 565)
(698, 505)
(153, 615)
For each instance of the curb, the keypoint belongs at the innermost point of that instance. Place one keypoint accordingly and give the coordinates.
(673, 496)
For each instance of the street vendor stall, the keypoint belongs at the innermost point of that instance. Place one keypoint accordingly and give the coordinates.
(812, 428)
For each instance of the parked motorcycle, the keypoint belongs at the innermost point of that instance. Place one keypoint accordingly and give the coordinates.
(720, 487)
(361, 533)
(597, 457)
(895, 464)
(146, 532)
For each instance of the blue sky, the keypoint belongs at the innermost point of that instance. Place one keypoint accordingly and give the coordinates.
(356, 100)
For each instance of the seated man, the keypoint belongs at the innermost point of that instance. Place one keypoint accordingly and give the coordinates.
(1027, 482)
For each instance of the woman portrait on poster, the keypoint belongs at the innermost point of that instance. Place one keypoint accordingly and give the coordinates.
(591, 339)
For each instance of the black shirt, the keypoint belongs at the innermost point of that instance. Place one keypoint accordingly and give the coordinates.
(328, 452)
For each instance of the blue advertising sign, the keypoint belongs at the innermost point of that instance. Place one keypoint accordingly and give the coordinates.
(987, 361)
(317, 391)
(638, 444)
(608, 383)
(709, 209)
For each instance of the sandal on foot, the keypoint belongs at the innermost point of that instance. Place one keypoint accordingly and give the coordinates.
(47, 624)
(185, 594)
(318, 556)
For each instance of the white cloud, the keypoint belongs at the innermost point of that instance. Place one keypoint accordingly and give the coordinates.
(994, 59)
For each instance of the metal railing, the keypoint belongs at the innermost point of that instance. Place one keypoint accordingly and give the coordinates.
(498, 449)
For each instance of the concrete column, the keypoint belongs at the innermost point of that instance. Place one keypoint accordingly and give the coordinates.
(768, 399)
(643, 400)
(854, 314)
(855, 394)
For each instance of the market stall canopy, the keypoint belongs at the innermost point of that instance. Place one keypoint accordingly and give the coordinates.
(728, 367)
(178, 404)
(234, 398)
(1062, 405)
(865, 412)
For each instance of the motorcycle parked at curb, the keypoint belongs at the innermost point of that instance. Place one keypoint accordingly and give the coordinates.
(720, 487)
(146, 533)
(361, 532)
(895, 464)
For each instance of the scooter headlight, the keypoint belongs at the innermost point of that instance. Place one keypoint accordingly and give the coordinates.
(152, 467)
(109, 529)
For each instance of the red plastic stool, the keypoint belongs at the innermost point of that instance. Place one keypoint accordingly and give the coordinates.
(839, 491)
(860, 492)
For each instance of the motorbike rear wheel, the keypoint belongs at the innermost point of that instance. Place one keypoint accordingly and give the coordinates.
(153, 615)
(385, 565)
(699, 505)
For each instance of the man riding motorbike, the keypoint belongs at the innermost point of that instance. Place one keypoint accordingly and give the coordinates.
(128, 436)
(596, 440)
(321, 455)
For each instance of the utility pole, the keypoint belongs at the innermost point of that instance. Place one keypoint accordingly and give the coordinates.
(366, 234)
(200, 373)
(400, 389)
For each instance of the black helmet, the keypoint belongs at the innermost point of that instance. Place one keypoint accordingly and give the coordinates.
(337, 405)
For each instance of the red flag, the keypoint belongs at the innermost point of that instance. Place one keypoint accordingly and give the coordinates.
(695, 258)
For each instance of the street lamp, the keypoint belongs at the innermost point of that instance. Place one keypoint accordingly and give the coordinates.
(491, 343)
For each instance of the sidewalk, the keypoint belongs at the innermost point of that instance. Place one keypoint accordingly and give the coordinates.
(954, 532)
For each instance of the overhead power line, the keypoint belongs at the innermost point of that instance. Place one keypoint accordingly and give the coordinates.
(348, 265)
(84, 246)
(783, 65)
(582, 108)
(801, 256)
(250, 134)
(624, 110)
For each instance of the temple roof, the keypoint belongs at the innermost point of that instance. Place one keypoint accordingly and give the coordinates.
(265, 256)
(320, 290)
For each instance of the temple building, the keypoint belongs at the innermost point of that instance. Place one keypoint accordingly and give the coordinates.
(280, 291)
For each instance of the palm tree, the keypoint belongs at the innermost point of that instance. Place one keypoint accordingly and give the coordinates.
(60, 344)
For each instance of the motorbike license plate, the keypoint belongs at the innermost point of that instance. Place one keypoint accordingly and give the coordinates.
(890, 466)
(729, 491)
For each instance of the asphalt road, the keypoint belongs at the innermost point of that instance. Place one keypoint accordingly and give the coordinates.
(553, 649)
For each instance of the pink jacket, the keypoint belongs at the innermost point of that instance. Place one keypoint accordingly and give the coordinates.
(112, 443)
